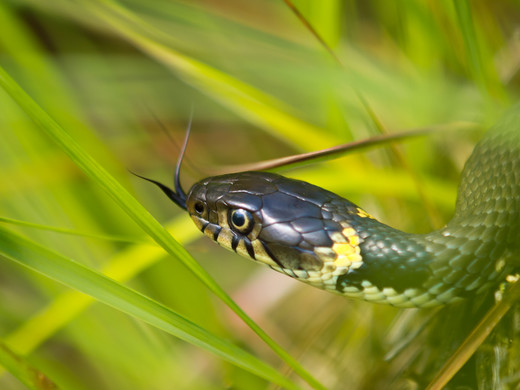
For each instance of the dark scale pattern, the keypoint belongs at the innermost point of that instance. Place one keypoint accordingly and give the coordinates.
(293, 218)
(293, 224)
(391, 258)
(481, 239)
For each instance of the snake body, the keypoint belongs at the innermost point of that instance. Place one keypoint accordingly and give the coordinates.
(320, 238)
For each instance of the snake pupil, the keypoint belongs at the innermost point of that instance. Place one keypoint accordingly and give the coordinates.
(242, 220)
(238, 219)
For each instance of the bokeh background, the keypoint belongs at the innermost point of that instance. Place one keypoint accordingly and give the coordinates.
(121, 77)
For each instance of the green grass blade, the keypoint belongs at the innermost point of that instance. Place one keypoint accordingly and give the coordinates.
(108, 291)
(25, 373)
(72, 232)
(242, 98)
(483, 72)
(122, 267)
(134, 209)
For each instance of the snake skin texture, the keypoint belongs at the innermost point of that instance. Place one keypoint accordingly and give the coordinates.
(320, 238)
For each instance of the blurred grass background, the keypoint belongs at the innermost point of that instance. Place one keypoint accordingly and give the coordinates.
(262, 87)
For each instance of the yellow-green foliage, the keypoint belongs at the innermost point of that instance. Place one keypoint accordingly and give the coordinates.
(109, 299)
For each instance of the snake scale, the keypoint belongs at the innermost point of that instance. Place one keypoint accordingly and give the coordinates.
(322, 239)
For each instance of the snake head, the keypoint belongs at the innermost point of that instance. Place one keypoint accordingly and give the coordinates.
(287, 224)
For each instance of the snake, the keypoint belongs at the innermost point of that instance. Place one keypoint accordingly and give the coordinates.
(320, 238)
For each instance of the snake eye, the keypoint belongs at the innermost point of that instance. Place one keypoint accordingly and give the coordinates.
(241, 221)
(199, 207)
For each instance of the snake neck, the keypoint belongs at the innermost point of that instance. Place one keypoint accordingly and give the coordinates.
(487, 213)
(489, 191)
(481, 244)
(478, 247)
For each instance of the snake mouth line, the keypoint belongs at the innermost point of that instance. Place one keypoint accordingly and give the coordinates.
(272, 256)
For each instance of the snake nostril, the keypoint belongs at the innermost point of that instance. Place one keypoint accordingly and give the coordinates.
(199, 207)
